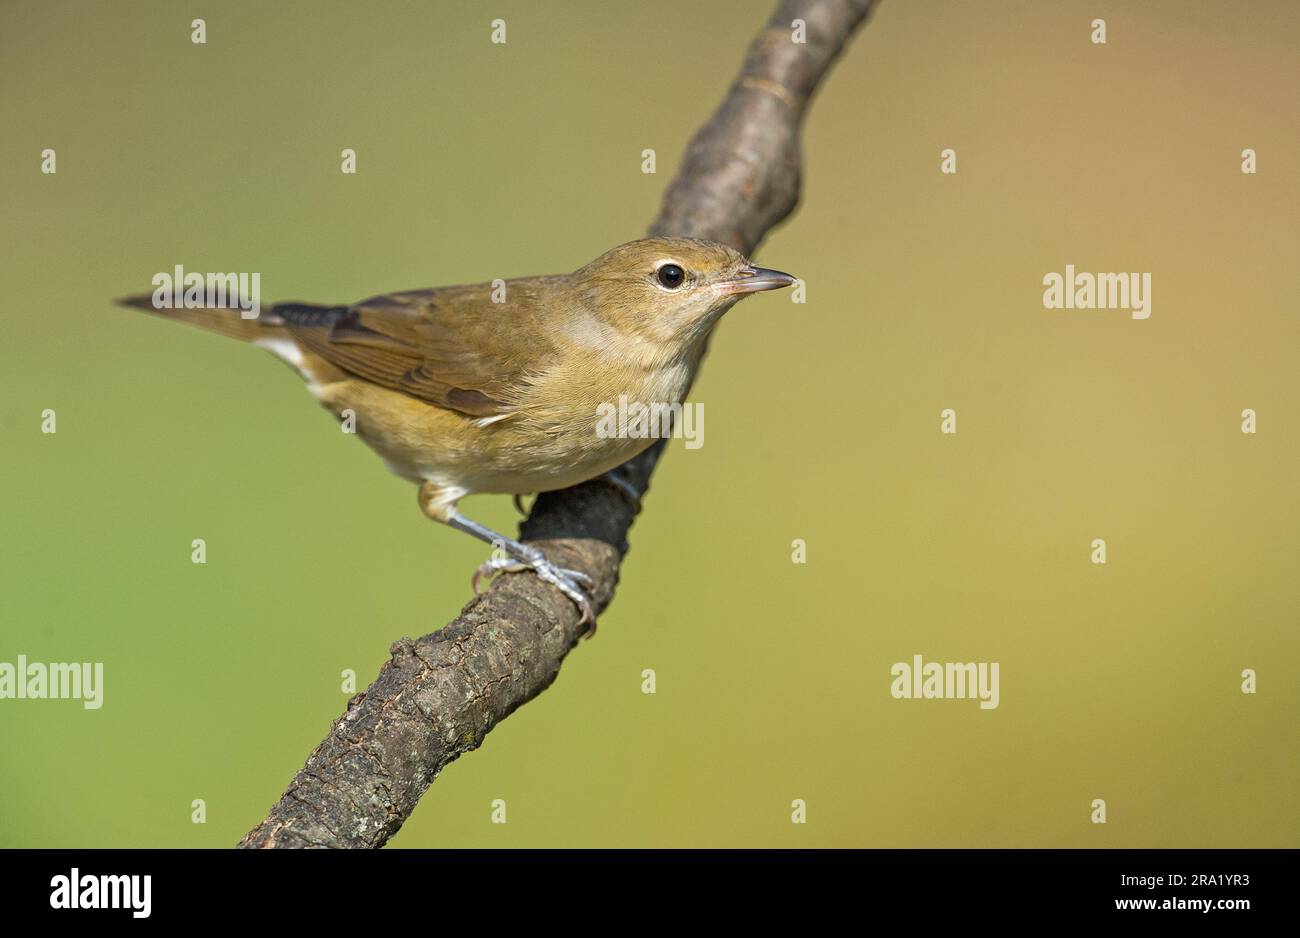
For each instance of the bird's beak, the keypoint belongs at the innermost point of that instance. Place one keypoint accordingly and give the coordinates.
(754, 279)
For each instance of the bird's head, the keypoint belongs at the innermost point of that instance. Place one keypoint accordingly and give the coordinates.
(670, 290)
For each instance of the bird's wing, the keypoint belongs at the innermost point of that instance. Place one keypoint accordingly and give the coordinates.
(452, 346)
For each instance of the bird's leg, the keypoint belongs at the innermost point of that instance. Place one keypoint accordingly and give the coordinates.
(439, 503)
(519, 503)
(526, 557)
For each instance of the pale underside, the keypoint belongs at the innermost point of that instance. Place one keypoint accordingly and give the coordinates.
(521, 420)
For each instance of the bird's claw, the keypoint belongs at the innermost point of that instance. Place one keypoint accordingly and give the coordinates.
(569, 582)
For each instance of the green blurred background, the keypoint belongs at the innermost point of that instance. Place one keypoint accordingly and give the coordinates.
(478, 161)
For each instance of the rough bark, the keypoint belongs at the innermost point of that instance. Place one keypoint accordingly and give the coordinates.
(439, 695)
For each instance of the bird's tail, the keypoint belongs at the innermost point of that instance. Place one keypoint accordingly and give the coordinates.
(225, 320)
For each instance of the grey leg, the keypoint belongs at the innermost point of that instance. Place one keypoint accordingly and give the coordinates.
(526, 557)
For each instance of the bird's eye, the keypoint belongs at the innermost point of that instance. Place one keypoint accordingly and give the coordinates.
(671, 276)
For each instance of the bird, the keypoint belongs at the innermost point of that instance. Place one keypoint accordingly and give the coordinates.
(495, 387)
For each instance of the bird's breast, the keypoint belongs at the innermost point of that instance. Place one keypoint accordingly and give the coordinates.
(574, 398)
(572, 422)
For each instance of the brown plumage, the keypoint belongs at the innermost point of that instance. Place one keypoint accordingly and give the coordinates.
(479, 389)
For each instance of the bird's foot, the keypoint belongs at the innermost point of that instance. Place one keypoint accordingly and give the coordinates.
(568, 582)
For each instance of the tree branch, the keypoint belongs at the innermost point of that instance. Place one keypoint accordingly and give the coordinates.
(438, 696)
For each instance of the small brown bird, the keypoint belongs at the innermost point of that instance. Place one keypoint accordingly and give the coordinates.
(496, 387)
